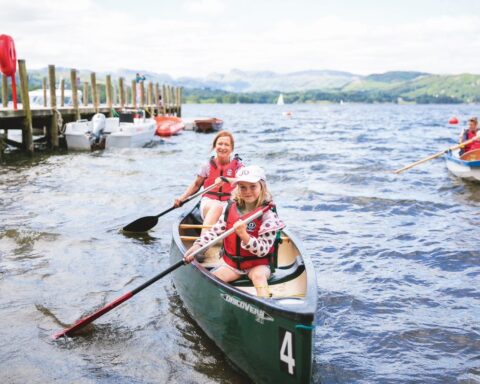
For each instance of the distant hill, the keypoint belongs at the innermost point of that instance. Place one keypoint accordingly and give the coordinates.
(304, 86)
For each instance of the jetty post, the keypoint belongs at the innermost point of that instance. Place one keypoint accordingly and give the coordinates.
(93, 79)
(142, 94)
(122, 92)
(108, 91)
(44, 88)
(27, 131)
(62, 92)
(4, 91)
(73, 81)
(52, 129)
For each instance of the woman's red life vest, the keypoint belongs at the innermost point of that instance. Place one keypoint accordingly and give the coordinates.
(467, 135)
(224, 191)
(233, 254)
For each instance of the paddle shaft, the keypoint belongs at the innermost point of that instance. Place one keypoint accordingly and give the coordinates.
(90, 318)
(148, 222)
(191, 197)
(224, 180)
(434, 156)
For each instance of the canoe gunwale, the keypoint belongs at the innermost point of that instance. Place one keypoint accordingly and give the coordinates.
(471, 164)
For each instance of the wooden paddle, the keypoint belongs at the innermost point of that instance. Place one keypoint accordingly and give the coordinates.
(434, 156)
(148, 222)
(95, 315)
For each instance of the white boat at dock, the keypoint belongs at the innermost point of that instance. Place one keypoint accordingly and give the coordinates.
(109, 132)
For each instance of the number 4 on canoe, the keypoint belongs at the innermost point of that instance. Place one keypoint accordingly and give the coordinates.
(434, 156)
(148, 222)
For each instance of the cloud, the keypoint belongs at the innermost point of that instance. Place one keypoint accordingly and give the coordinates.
(84, 34)
(205, 7)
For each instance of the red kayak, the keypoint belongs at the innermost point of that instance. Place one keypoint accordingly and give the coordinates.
(168, 125)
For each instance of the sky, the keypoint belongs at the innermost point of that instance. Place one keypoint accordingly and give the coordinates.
(197, 37)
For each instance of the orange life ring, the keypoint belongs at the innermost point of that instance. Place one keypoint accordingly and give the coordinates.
(8, 56)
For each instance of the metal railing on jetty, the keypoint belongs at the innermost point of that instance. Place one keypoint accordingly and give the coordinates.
(50, 119)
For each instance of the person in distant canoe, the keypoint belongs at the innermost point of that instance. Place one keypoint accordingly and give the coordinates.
(221, 164)
(250, 249)
(470, 133)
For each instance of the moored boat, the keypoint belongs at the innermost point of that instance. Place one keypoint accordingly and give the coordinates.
(168, 125)
(466, 166)
(270, 340)
(85, 135)
(132, 135)
(112, 132)
(208, 125)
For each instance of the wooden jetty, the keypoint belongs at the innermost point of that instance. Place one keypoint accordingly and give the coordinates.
(47, 121)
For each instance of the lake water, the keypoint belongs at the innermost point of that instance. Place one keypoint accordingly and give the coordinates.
(397, 256)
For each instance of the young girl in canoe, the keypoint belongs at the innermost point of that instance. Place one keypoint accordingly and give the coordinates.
(248, 250)
(221, 164)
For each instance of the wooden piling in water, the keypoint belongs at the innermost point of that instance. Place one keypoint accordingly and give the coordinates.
(142, 94)
(172, 101)
(4, 91)
(164, 98)
(157, 101)
(52, 130)
(27, 131)
(44, 87)
(108, 92)
(115, 94)
(85, 93)
(150, 98)
(62, 92)
(122, 92)
(134, 94)
(73, 80)
(93, 79)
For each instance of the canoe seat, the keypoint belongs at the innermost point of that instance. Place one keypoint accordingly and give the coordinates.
(280, 275)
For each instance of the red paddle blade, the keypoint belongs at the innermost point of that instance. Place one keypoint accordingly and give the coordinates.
(90, 318)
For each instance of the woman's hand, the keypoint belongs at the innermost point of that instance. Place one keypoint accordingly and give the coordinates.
(178, 202)
(188, 257)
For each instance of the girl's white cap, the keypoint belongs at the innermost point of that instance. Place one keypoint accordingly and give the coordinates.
(250, 174)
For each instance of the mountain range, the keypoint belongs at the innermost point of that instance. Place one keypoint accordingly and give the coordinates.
(409, 86)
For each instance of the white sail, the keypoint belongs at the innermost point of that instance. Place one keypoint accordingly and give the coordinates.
(280, 100)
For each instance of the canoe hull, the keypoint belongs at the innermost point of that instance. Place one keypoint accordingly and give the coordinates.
(467, 170)
(168, 125)
(270, 345)
(208, 125)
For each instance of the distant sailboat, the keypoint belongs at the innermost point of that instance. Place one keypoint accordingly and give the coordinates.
(280, 100)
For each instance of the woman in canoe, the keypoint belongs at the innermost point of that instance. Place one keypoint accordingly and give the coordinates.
(212, 203)
(249, 249)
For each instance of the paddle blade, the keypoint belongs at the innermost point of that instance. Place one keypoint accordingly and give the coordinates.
(141, 225)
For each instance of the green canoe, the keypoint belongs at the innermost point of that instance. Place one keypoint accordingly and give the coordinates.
(270, 340)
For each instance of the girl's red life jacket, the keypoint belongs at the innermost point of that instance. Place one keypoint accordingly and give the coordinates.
(224, 191)
(467, 135)
(233, 254)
